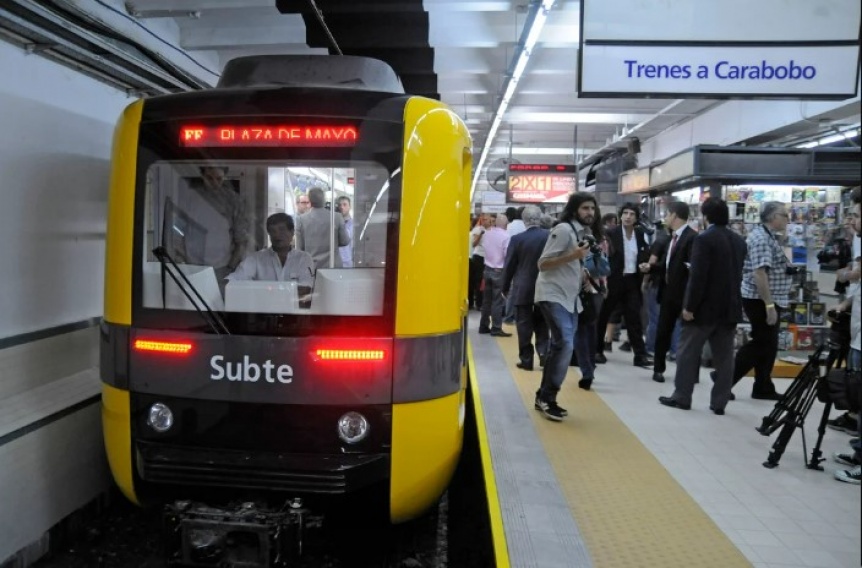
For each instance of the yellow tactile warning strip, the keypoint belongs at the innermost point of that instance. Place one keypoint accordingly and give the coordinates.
(630, 510)
(782, 370)
(498, 535)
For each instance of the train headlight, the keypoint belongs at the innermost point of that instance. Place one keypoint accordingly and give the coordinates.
(352, 427)
(160, 417)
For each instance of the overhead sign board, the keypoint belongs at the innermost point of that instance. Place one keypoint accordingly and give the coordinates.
(729, 49)
(540, 183)
(634, 181)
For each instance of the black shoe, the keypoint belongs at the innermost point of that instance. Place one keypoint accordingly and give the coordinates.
(500, 333)
(609, 346)
(673, 403)
(712, 376)
(542, 359)
(644, 361)
(601, 359)
(551, 410)
(625, 346)
(525, 366)
(766, 396)
(585, 384)
(719, 411)
(658, 377)
(484, 331)
(844, 423)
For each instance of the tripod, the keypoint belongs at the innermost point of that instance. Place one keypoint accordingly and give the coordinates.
(790, 411)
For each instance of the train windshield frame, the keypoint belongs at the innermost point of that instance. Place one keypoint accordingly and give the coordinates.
(207, 220)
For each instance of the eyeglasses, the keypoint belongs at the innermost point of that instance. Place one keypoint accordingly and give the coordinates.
(304, 202)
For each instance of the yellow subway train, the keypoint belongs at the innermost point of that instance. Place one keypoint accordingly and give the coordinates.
(249, 352)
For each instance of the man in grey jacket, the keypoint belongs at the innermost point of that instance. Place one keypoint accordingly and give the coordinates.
(316, 234)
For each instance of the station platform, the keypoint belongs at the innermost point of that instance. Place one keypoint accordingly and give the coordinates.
(626, 482)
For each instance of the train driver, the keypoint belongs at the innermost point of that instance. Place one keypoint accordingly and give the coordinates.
(281, 261)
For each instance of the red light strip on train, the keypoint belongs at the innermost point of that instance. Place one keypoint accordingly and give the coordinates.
(272, 135)
(350, 354)
(176, 348)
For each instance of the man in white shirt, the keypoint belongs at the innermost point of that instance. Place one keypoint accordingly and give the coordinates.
(281, 262)
(477, 260)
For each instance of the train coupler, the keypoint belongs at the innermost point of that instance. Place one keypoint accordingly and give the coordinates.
(242, 535)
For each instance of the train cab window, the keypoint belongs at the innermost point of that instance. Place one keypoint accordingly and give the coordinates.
(212, 222)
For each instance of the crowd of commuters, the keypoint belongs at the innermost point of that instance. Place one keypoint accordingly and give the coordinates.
(569, 286)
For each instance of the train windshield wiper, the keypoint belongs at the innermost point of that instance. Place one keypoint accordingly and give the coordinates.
(170, 268)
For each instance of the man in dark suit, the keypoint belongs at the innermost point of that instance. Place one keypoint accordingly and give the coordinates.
(628, 253)
(519, 274)
(671, 274)
(712, 307)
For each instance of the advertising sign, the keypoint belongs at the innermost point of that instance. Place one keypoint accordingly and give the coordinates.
(540, 183)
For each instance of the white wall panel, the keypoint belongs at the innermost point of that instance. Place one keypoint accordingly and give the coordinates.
(55, 139)
(47, 475)
(734, 121)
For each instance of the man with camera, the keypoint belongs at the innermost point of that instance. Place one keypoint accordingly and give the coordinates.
(558, 288)
(766, 282)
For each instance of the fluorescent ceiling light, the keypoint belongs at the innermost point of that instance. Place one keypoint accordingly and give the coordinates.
(538, 22)
(830, 139)
(578, 117)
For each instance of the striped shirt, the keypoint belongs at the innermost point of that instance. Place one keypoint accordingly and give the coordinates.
(764, 251)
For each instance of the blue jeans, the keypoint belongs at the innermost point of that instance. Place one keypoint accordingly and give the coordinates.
(562, 326)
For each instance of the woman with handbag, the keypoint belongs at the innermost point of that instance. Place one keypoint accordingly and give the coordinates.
(596, 266)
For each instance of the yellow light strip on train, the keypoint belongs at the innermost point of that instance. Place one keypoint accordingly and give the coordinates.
(350, 354)
(183, 348)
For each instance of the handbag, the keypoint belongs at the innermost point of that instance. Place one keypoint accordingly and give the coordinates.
(843, 387)
(598, 265)
(589, 313)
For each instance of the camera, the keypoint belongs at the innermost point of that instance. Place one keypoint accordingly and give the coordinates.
(591, 242)
(791, 270)
(648, 226)
(839, 329)
(827, 255)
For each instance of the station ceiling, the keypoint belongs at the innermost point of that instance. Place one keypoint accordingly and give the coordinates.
(458, 51)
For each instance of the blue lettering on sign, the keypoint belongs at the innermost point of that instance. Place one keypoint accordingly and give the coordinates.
(724, 70)
(764, 71)
(650, 71)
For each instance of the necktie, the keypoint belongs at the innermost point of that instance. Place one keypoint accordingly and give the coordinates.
(670, 252)
(672, 244)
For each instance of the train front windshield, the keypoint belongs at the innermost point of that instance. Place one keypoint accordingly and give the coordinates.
(295, 242)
